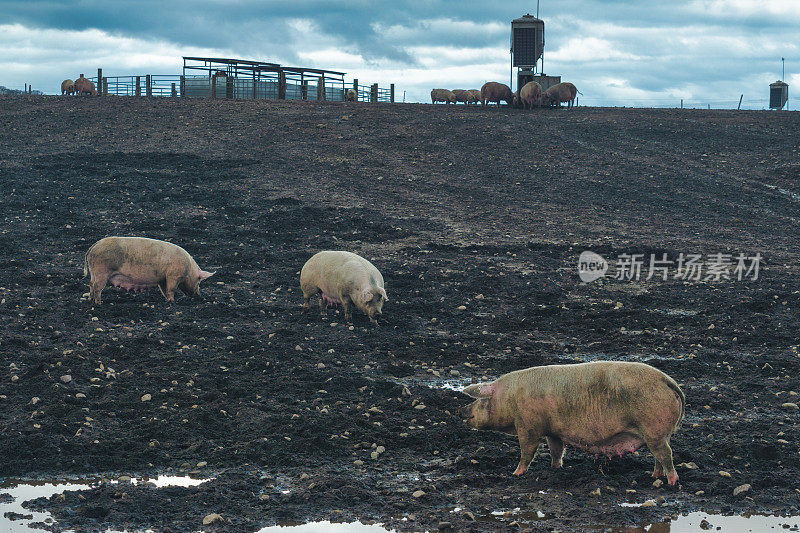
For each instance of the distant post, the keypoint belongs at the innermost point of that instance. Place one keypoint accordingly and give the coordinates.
(138, 86)
(321, 88)
(254, 84)
(105, 86)
(740, 102)
(183, 86)
(148, 88)
(391, 93)
(228, 87)
(373, 93)
(281, 85)
(213, 87)
(174, 91)
(99, 81)
(304, 90)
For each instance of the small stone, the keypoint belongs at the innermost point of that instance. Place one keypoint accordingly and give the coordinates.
(66, 378)
(380, 449)
(462, 308)
(374, 455)
(202, 464)
(35, 400)
(263, 497)
(595, 492)
(211, 518)
(699, 493)
(418, 493)
(358, 462)
(419, 406)
(147, 398)
(649, 503)
(657, 483)
(789, 406)
(303, 476)
(724, 473)
(689, 466)
(468, 515)
(741, 488)
(80, 396)
(320, 365)
(445, 525)
(298, 348)
(14, 378)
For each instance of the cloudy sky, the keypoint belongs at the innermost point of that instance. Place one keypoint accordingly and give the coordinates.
(618, 52)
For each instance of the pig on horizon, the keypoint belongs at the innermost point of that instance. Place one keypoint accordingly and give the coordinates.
(603, 407)
(343, 278)
(494, 91)
(138, 263)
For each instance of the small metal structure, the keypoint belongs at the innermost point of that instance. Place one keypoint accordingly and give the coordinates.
(778, 94)
(211, 77)
(240, 78)
(527, 52)
(527, 48)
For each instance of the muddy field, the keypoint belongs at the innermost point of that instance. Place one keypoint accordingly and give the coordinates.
(476, 218)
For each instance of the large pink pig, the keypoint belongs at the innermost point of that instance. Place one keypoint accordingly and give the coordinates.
(604, 407)
(137, 263)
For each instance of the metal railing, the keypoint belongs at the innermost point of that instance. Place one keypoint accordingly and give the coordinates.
(266, 86)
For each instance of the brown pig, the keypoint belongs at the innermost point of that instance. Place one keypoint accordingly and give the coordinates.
(603, 407)
(442, 95)
(560, 92)
(343, 278)
(493, 91)
(350, 95)
(529, 95)
(461, 95)
(138, 263)
(473, 96)
(67, 86)
(84, 86)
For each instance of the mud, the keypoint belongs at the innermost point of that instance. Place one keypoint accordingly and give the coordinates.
(457, 206)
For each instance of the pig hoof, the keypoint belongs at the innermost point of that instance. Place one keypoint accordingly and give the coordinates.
(672, 480)
(519, 471)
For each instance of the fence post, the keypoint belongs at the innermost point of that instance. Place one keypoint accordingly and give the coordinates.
(105, 86)
(174, 92)
(228, 87)
(254, 85)
(740, 102)
(373, 93)
(281, 85)
(148, 85)
(183, 86)
(304, 90)
(99, 81)
(391, 93)
(138, 86)
(321, 88)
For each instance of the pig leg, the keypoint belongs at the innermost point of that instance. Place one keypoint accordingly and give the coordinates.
(98, 280)
(348, 316)
(308, 292)
(168, 287)
(663, 456)
(658, 470)
(556, 451)
(528, 444)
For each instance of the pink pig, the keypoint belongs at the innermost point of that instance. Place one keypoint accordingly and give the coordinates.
(604, 407)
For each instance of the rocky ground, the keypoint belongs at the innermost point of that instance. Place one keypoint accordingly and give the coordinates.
(476, 218)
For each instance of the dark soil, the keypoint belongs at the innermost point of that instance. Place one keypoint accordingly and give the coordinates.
(483, 208)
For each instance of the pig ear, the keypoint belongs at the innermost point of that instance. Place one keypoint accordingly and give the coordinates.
(480, 390)
(366, 296)
(383, 293)
(205, 275)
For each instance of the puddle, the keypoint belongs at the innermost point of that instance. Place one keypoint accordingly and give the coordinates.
(676, 312)
(790, 194)
(698, 522)
(325, 527)
(21, 491)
